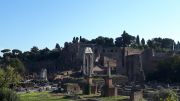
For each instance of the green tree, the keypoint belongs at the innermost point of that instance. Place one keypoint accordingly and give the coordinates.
(83, 40)
(16, 52)
(6, 53)
(9, 76)
(17, 65)
(8, 95)
(143, 42)
(177, 45)
(161, 44)
(150, 44)
(167, 43)
(74, 40)
(167, 70)
(103, 41)
(127, 39)
(119, 42)
(34, 49)
(57, 46)
(77, 39)
(137, 40)
(5, 50)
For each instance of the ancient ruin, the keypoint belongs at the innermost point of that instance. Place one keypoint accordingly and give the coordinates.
(88, 61)
(89, 88)
(108, 89)
(43, 74)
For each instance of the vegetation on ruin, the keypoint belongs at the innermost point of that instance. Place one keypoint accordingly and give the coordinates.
(168, 71)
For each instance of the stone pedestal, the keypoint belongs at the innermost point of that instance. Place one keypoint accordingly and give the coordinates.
(136, 95)
(108, 89)
(89, 88)
(94, 89)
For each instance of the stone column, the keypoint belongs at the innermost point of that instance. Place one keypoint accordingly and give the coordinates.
(88, 65)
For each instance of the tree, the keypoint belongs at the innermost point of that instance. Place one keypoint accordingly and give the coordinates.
(119, 42)
(103, 41)
(74, 40)
(77, 39)
(150, 44)
(5, 50)
(109, 41)
(178, 45)
(137, 40)
(6, 53)
(66, 45)
(143, 42)
(45, 51)
(34, 49)
(17, 65)
(16, 52)
(167, 70)
(127, 39)
(83, 40)
(57, 46)
(8, 95)
(157, 43)
(80, 38)
(161, 44)
(167, 43)
(9, 76)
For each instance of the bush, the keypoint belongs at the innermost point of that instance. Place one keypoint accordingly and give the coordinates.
(165, 95)
(8, 95)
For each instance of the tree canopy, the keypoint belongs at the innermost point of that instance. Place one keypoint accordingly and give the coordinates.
(168, 70)
(64, 58)
(9, 76)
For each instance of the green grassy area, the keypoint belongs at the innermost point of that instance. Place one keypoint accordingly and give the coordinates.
(118, 98)
(46, 96)
(41, 96)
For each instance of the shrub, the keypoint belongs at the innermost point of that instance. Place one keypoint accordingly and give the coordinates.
(165, 95)
(8, 95)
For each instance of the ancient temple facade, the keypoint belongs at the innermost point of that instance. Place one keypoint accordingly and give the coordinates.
(88, 61)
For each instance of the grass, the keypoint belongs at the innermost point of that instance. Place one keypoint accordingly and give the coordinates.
(41, 96)
(46, 96)
(118, 98)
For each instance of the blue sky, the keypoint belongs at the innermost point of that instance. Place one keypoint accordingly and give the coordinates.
(43, 23)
